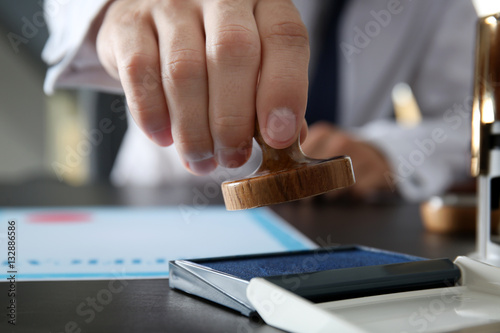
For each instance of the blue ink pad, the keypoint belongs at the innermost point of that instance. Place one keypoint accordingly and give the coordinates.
(319, 275)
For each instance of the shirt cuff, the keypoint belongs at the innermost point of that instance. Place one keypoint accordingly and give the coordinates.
(70, 53)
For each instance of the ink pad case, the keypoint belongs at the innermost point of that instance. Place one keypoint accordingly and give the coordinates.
(320, 275)
(469, 306)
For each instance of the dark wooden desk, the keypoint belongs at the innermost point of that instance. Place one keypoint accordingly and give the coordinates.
(150, 306)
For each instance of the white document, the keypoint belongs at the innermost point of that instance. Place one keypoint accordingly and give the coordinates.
(121, 242)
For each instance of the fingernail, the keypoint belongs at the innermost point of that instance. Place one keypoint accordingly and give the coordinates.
(281, 125)
(162, 137)
(231, 157)
(202, 167)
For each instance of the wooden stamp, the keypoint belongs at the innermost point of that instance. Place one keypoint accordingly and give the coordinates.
(286, 175)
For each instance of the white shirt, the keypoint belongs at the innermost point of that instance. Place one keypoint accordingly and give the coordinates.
(428, 44)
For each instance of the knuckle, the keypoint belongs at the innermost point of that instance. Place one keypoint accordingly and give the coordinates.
(192, 143)
(184, 64)
(223, 122)
(126, 16)
(136, 65)
(139, 78)
(229, 128)
(235, 41)
(145, 114)
(149, 118)
(287, 75)
(288, 34)
(170, 5)
(228, 3)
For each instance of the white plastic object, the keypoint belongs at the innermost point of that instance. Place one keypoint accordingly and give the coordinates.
(474, 302)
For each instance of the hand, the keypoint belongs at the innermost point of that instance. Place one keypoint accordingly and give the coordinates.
(370, 166)
(196, 72)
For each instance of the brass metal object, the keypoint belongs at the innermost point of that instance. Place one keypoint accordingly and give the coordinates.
(486, 105)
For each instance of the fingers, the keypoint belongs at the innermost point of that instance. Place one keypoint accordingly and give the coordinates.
(282, 90)
(196, 72)
(233, 58)
(134, 60)
(184, 77)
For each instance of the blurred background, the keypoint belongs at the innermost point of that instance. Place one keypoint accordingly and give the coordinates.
(39, 134)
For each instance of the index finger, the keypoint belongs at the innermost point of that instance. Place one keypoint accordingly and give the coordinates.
(282, 91)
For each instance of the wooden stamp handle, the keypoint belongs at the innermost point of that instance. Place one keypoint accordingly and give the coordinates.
(286, 175)
(279, 159)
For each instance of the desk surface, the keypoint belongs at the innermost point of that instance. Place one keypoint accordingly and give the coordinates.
(150, 306)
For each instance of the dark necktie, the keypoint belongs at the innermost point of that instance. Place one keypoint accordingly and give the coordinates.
(323, 90)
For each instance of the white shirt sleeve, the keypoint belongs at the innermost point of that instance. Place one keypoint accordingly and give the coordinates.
(70, 52)
(430, 46)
